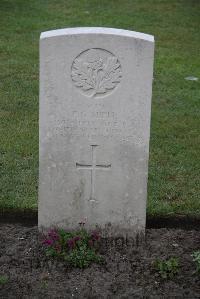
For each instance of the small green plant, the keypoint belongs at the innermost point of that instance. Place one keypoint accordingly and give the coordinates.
(44, 284)
(196, 259)
(167, 268)
(3, 279)
(78, 248)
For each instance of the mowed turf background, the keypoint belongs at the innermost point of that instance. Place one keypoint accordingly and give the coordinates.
(173, 186)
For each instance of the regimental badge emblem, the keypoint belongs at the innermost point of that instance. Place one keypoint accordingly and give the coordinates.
(96, 72)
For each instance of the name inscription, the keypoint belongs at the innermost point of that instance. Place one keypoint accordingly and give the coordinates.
(92, 124)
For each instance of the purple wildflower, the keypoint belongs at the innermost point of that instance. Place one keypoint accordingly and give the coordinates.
(95, 236)
(53, 235)
(90, 243)
(58, 248)
(77, 238)
(48, 242)
(71, 243)
(82, 223)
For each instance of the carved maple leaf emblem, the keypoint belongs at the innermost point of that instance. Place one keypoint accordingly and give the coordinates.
(97, 76)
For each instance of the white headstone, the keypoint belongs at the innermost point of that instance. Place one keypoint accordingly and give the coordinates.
(95, 106)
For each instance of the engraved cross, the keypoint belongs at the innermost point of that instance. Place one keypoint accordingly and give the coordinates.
(93, 167)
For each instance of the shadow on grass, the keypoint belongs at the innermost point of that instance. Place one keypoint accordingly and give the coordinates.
(29, 217)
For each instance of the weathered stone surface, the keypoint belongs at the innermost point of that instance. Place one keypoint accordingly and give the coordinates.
(95, 104)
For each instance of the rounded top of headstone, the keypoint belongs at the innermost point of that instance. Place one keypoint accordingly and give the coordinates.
(97, 30)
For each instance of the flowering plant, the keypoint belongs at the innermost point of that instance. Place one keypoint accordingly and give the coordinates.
(79, 248)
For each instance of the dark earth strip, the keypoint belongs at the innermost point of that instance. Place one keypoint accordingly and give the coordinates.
(29, 218)
(128, 272)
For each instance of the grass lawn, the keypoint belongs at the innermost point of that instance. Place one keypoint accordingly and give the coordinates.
(174, 165)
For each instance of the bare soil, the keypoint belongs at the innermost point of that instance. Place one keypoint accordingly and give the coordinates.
(128, 272)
